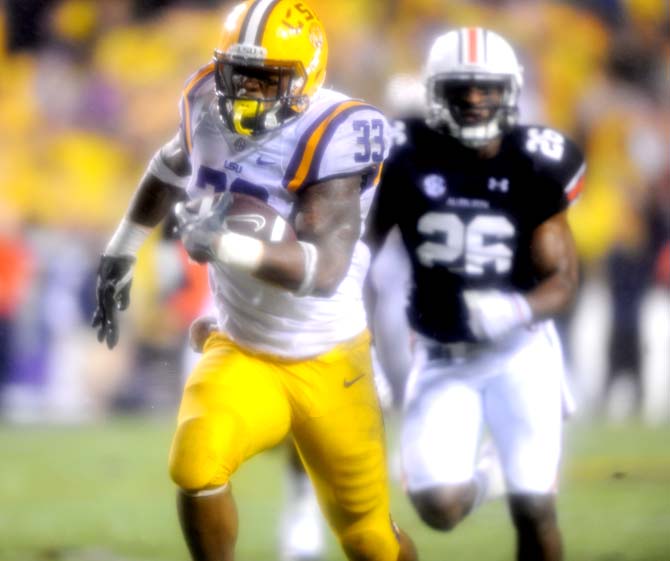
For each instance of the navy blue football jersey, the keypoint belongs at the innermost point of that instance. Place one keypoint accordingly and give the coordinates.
(467, 222)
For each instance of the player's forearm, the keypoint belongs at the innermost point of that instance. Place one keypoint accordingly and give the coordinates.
(329, 217)
(159, 189)
(553, 296)
(152, 201)
(555, 259)
(162, 185)
(150, 204)
(283, 264)
(303, 267)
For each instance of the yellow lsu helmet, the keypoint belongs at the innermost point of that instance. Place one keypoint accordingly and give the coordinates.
(278, 45)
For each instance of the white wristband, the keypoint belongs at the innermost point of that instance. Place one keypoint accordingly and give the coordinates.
(493, 314)
(311, 258)
(237, 250)
(127, 238)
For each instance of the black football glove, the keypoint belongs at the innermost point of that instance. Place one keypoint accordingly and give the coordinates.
(115, 275)
(200, 228)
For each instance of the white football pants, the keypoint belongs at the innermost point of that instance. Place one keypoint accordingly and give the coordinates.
(515, 388)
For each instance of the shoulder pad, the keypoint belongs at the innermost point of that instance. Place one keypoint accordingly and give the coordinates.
(556, 167)
(406, 132)
(555, 157)
(196, 95)
(347, 138)
(553, 153)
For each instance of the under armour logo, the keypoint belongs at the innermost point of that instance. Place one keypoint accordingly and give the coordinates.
(501, 185)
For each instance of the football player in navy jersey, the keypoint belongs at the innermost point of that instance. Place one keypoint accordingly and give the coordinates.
(481, 205)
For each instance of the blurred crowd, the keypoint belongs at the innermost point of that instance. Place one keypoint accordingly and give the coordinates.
(89, 89)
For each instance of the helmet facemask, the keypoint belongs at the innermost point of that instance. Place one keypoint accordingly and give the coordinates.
(474, 108)
(257, 95)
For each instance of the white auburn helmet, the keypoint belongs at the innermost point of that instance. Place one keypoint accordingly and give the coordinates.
(470, 55)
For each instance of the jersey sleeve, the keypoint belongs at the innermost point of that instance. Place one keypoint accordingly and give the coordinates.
(166, 158)
(351, 138)
(559, 170)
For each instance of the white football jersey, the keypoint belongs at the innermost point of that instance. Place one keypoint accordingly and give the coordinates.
(336, 136)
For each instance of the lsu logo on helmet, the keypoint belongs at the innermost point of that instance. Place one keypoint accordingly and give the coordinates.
(270, 61)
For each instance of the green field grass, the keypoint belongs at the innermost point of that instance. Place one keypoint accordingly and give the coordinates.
(101, 493)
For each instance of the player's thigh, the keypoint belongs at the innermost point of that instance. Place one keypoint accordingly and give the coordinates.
(233, 406)
(342, 439)
(441, 427)
(342, 444)
(524, 410)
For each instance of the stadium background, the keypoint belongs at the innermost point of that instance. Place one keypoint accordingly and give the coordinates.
(88, 91)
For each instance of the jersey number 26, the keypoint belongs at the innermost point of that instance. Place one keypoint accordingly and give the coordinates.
(475, 244)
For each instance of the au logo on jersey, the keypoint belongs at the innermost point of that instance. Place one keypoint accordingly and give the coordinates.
(434, 185)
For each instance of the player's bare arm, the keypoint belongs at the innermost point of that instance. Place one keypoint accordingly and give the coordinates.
(157, 191)
(328, 217)
(494, 313)
(327, 226)
(154, 197)
(555, 260)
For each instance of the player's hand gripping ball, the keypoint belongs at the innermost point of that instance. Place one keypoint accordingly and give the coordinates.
(252, 217)
(202, 222)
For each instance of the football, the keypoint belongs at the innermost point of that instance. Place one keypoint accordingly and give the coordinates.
(252, 217)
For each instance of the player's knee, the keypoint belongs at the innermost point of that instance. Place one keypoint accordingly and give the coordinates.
(202, 453)
(442, 508)
(366, 543)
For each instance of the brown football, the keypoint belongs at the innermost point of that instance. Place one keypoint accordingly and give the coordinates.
(252, 217)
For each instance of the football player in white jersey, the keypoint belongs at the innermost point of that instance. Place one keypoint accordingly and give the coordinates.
(481, 203)
(291, 353)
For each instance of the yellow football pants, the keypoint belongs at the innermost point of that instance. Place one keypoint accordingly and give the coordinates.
(237, 403)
